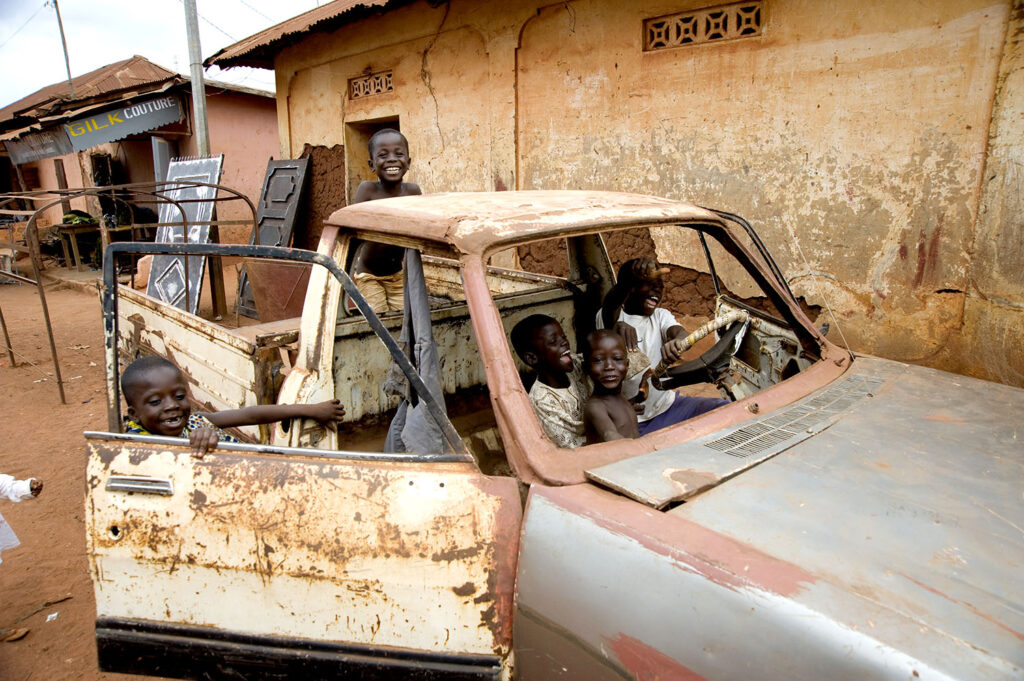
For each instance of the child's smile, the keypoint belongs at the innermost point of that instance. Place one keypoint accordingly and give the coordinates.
(552, 348)
(644, 299)
(606, 362)
(161, 404)
(390, 158)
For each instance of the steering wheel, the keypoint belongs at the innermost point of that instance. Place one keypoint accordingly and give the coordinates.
(705, 369)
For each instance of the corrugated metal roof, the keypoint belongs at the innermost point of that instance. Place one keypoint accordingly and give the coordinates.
(122, 75)
(259, 50)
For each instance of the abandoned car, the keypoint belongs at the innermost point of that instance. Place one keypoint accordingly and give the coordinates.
(843, 517)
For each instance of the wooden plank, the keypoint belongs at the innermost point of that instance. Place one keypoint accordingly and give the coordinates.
(280, 201)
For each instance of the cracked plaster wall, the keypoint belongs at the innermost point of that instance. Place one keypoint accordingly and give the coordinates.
(989, 344)
(853, 135)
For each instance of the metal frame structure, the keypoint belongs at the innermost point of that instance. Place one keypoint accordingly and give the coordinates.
(437, 413)
(139, 192)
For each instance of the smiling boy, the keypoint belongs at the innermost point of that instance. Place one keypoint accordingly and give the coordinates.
(159, 404)
(377, 268)
(560, 391)
(639, 288)
(607, 415)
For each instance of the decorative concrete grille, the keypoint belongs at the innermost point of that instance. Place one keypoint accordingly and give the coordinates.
(373, 84)
(726, 22)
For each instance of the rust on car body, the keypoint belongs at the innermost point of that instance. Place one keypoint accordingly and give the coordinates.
(240, 521)
(859, 511)
(477, 222)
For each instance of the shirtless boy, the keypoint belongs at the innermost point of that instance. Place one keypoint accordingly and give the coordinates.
(158, 404)
(634, 302)
(607, 415)
(377, 268)
(558, 394)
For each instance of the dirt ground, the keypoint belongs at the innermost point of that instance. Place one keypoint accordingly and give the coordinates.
(44, 583)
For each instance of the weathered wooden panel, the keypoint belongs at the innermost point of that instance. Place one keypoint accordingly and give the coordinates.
(280, 202)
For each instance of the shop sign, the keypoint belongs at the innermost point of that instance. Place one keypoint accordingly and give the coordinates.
(130, 119)
(36, 146)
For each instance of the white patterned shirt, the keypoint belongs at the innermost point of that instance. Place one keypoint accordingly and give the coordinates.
(560, 410)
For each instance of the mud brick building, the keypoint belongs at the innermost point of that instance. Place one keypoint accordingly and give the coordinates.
(875, 144)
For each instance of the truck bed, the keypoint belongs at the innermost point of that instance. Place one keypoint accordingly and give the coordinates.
(228, 368)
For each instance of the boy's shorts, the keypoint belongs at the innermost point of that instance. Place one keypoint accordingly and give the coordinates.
(384, 294)
(682, 408)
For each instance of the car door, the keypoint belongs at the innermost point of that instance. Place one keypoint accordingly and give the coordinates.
(277, 562)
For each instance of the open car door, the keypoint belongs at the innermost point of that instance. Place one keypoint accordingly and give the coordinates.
(274, 562)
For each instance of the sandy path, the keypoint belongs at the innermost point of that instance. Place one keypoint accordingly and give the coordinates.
(43, 438)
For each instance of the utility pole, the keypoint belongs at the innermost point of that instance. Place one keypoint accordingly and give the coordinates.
(67, 62)
(198, 86)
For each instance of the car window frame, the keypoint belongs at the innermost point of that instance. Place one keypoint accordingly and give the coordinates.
(111, 322)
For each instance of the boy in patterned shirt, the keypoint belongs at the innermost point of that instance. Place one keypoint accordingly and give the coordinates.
(561, 390)
(158, 404)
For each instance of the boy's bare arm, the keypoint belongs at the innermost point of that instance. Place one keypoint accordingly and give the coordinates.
(330, 410)
(598, 422)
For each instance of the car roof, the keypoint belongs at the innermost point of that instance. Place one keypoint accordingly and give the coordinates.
(474, 222)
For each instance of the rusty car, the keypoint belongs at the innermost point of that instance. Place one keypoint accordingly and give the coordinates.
(842, 517)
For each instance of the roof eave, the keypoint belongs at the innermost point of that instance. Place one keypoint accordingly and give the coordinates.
(265, 48)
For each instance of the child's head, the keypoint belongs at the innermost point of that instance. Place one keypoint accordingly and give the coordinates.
(605, 360)
(157, 395)
(389, 155)
(541, 344)
(643, 282)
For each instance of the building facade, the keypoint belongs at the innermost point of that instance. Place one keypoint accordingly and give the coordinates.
(873, 144)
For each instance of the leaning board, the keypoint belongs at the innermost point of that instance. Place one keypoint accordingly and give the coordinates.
(280, 201)
(168, 274)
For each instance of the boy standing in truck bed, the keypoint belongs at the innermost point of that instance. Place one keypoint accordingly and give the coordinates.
(377, 268)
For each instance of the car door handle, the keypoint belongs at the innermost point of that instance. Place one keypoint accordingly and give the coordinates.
(139, 483)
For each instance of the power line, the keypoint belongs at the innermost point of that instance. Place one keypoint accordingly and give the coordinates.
(256, 10)
(211, 23)
(11, 37)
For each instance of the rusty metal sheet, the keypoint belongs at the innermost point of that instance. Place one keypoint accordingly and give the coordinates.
(418, 556)
(258, 49)
(280, 201)
(476, 221)
(167, 274)
(679, 472)
(278, 290)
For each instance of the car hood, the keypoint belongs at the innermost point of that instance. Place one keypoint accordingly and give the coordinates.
(906, 513)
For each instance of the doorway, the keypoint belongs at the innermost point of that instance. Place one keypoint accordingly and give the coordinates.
(357, 137)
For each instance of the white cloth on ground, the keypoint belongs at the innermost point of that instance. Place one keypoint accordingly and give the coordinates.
(13, 490)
